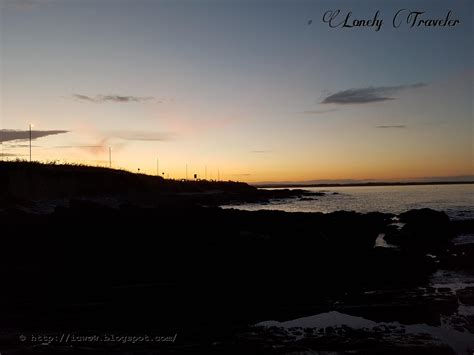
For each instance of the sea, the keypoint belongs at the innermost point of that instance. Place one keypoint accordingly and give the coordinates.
(457, 201)
(454, 329)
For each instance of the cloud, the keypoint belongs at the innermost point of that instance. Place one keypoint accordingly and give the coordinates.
(111, 98)
(16, 135)
(76, 146)
(98, 148)
(91, 149)
(318, 112)
(260, 151)
(11, 155)
(116, 140)
(367, 95)
(9, 145)
(141, 135)
(393, 126)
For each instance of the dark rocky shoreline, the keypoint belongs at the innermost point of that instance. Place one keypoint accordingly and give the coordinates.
(160, 258)
(208, 274)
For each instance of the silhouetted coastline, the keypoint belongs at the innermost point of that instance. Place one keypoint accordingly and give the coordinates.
(24, 182)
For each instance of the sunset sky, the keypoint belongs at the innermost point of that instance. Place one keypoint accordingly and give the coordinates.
(253, 89)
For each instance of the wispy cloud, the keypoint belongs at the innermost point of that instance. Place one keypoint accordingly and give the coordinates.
(76, 146)
(9, 145)
(367, 95)
(17, 135)
(318, 112)
(260, 151)
(392, 126)
(111, 98)
(117, 140)
(6, 155)
(131, 135)
(91, 149)
(99, 148)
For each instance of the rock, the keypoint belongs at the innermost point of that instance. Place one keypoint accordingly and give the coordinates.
(424, 230)
(466, 296)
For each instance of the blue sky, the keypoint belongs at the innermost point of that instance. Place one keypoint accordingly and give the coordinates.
(239, 86)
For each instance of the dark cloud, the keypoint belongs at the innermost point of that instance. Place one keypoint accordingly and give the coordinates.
(111, 98)
(10, 155)
(393, 126)
(318, 112)
(83, 98)
(367, 95)
(16, 135)
(141, 135)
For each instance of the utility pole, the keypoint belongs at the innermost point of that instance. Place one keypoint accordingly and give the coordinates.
(186, 171)
(218, 175)
(157, 167)
(110, 157)
(205, 168)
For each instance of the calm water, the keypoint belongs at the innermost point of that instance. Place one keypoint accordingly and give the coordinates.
(456, 200)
